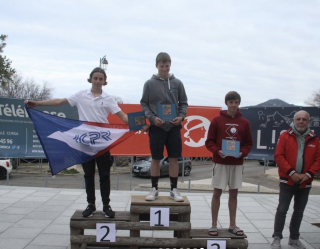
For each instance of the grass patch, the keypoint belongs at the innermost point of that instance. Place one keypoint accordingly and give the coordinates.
(69, 171)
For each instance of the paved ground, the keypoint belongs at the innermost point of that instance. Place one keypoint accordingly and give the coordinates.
(34, 218)
(38, 217)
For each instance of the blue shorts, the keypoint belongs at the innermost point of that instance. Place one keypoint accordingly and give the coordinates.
(171, 139)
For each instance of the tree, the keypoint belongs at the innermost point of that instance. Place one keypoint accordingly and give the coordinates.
(314, 100)
(118, 99)
(6, 72)
(26, 89)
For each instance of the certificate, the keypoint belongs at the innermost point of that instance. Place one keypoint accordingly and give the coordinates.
(167, 112)
(136, 120)
(230, 148)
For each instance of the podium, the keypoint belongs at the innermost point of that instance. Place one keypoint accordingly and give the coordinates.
(136, 220)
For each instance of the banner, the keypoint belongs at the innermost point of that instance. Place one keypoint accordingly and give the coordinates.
(267, 123)
(193, 133)
(19, 139)
(17, 135)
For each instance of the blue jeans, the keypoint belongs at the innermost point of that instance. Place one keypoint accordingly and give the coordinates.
(300, 202)
(104, 163)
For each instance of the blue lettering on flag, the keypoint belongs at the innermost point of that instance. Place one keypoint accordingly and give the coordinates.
(93, 137)
(106, 135)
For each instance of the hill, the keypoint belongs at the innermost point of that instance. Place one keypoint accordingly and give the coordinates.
(273, 103)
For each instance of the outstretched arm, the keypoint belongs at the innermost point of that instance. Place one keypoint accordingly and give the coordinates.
(122, 116)
(51, 102)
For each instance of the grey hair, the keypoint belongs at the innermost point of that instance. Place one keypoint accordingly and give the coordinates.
(294, 117)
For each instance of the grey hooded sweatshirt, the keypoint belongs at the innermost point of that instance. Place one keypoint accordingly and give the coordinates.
(159, 91)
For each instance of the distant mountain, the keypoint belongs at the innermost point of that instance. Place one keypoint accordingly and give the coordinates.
(273, 103)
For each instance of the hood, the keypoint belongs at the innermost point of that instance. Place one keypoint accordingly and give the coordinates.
(225, 114)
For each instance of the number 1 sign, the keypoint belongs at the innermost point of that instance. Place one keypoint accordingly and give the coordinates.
(159, 217)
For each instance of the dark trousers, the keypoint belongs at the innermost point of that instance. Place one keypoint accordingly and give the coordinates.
(300, 202)
(104, 163)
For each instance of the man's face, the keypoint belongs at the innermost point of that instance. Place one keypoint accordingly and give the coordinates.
(163, 69)
(301, 121)
(233, 106)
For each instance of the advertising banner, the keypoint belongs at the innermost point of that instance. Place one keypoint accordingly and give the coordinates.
(19, 139)
(193, 133)
(267, 123)
(17, 135)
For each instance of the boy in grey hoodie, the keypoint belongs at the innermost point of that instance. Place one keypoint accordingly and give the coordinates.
(164, 88)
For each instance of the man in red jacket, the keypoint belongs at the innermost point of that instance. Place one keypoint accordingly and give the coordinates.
(298, 157)
(227, 170)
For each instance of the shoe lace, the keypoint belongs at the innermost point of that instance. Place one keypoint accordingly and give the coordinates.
(153, 191)
(107, 208)
(176, 192)
(276, 241)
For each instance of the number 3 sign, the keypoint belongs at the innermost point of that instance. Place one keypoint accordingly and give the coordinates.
(216, 244)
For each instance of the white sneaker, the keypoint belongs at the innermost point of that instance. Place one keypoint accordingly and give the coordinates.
(175, 194)
(152, 195)
(296, 244)
(276, 243)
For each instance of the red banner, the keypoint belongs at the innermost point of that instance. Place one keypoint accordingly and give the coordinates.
(193, 133)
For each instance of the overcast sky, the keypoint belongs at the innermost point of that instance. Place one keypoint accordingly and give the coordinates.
(262, 49)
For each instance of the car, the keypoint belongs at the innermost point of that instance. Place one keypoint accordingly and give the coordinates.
(5, 167)
(268, 163)
(142, 168)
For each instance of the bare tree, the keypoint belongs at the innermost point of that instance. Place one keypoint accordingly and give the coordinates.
(118, 99)
(314, 100)
(26, 89)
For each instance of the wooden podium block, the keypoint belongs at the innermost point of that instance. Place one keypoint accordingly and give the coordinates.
(78, 224)
(179, 211)
(161, 201)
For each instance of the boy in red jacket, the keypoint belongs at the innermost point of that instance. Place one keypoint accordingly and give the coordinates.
(228, 170)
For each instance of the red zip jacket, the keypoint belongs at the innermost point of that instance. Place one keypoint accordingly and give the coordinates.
(286, 157)
(225, 126)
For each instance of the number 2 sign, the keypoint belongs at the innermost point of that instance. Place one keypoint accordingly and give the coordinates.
(106, 232)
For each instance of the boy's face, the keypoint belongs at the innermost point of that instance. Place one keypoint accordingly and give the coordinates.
(233, 106)
(98, 79)
(163, 69)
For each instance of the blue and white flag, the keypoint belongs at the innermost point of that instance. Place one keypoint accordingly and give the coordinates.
(67, 142)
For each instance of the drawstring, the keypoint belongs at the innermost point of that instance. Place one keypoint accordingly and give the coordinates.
(164, 81)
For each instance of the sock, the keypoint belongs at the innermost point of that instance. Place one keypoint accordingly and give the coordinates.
(173, 182)
(154, 181)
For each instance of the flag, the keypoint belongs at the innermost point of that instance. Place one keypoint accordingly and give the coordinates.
(67, 142)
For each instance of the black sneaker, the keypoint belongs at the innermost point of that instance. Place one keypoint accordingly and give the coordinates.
(107, 211)
(91, 209)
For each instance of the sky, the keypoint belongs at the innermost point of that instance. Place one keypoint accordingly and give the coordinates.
(261, 49)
